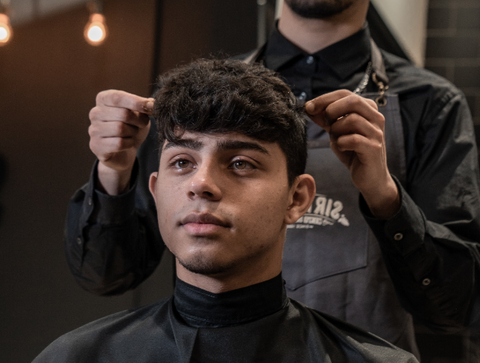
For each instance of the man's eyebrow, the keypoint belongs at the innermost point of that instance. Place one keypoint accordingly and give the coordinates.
(238, 145)
(186, 143)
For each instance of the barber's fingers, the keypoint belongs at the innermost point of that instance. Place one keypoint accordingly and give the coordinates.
(104, 114)
(327, 109)
(367, 150)
(112, 129)
(121, 99)
(119, 125)
(356, 131)
(113, 105)
(99, 131)
(353, 123)
(320, 103)
(111, 146)
(354, 104)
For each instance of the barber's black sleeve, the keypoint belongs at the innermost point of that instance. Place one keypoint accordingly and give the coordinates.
(431, 246)
(112, 243)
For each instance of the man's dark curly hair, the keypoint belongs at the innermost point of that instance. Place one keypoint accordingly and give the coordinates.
(218, 96)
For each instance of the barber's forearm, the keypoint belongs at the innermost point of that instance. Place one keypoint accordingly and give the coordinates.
(113, 182)
(383, 202)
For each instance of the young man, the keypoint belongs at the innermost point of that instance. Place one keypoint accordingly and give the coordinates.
(421, 260)
(229, 181)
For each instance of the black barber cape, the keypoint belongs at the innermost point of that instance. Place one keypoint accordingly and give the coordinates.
(253, 324)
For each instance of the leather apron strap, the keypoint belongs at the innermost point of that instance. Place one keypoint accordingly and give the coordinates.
(378, 63)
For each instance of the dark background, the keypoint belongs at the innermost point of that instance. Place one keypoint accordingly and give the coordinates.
(49, 77)
(453, 47)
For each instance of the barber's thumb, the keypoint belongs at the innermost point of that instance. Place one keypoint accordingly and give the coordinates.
(148, 106)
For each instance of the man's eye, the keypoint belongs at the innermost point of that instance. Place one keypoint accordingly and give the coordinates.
(182, 164)
(241, 165)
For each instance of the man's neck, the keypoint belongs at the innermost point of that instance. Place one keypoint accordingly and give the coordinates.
(233, 279)
(312, 35)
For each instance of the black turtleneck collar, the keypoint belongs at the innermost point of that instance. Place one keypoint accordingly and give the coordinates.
(344, 58)
(203, 309)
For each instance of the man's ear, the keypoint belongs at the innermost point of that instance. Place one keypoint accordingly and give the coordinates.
(302, 195)
(152, 184)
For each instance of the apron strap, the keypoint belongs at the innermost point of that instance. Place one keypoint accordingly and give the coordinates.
(378, 64)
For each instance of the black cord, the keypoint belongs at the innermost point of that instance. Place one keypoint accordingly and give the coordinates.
(157, 36)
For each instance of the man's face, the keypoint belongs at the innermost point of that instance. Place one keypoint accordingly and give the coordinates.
(319, 9)
(222, 202)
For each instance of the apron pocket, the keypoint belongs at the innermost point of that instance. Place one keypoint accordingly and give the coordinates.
(317, 246)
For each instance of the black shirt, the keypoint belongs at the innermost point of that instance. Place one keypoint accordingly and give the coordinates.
(430, 247)
(341, 65)
(253, 324)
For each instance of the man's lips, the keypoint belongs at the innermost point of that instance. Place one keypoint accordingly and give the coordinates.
(203, 218)
(203, 223)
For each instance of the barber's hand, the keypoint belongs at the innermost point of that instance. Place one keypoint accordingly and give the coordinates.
(356, 131)
(119, 125)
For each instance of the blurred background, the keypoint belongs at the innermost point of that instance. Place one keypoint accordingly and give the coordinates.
(49, 77)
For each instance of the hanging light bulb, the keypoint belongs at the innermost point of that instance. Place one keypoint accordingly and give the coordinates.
(5, 28)
(95, 31)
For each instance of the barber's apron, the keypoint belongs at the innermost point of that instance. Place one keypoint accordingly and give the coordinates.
(332, 261)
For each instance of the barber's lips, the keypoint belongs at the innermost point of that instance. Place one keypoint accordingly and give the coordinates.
(203, 224)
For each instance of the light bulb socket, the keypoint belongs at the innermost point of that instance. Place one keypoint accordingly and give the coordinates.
(4, 9)
(95, 7)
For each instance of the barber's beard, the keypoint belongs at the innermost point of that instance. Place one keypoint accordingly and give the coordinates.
(318, 9)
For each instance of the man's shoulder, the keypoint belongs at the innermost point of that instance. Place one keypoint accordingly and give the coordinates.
(92, 341)
(368, 347)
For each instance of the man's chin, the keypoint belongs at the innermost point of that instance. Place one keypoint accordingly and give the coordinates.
(203, 266)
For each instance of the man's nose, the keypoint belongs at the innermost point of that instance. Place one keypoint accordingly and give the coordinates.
(205, 183)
